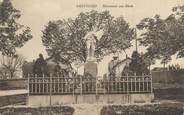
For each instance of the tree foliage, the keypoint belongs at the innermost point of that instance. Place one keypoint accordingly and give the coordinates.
(64, 39)
(12, 34)
(138, 64)
(163, 37)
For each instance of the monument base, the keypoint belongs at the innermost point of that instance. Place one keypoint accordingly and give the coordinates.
(91, 69)
(46, 100)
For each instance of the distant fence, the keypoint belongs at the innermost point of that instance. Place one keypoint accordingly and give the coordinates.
(168, 76)
(89, 85)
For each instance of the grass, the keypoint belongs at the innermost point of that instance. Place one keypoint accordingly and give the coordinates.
(12, 99)
(152, 109)
(62, 110)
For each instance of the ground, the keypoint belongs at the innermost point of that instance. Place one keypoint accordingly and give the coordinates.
(163, 108)
(24, 110)
(87, 109)
(168, 99)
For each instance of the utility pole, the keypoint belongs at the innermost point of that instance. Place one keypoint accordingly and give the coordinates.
(136, 47)
(135, 36)
(50, 94)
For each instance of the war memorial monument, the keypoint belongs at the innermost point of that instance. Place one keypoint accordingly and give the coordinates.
(56, 90)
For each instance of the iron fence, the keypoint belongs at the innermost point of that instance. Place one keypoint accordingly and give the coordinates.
(42, 85)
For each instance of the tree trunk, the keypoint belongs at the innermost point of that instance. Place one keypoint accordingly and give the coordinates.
(11, 74)
(164, 64)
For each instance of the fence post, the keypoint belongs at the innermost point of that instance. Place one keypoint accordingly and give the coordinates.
(43, 84)
(81, 84)
(104, 83)
(143, 80)
(108, 85)
(131, 84)
(50, 91)
(139, 84)
(135, 83)
(35, 84)
(127, 81)
(151, 83)
(147, 82)
(96, 86)
(73, 86)
(58, 82)
(123, 82)
(28, 90)
(116, 84)
(39, 84)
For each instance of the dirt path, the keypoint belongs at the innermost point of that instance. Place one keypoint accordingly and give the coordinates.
(87, 109)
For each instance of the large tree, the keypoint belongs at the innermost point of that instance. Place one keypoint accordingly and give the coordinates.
(138, 64)
(64, 39)
(12, 34)
(163, 37)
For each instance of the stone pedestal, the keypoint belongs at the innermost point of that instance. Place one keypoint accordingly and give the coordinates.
(91, 68)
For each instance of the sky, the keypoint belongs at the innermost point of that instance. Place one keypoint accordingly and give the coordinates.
(37, 13)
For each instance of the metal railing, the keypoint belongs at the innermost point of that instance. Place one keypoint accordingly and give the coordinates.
(128, 84)
(87, 85)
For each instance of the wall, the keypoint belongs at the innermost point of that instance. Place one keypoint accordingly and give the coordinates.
(13, 84)
(161, 77)
(168, 76)
(44, 100)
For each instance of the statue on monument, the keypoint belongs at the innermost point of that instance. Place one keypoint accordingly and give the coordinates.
(91, 44)
(91, 40)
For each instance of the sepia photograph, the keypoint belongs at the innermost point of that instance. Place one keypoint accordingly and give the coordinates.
(91, 57)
